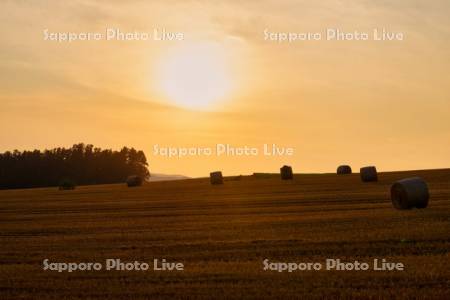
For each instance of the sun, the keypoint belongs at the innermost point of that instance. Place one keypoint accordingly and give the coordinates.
(196, 76)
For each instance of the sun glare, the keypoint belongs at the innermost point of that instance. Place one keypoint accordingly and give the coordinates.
(195, 76)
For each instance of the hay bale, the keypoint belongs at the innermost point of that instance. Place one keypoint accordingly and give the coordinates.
(67, 184)
(410, 192)
(286, 173)
(216, 177)
(369, 174)
(134, 180)
(344, 169)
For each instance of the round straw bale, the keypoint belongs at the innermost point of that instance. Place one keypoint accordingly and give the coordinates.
(67, 184)
(369, 174)
(216, 177)
(344, 169)
(286, 173)
(410, 192)
(134, 180)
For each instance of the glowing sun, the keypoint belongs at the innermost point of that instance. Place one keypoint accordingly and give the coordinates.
(195, 76)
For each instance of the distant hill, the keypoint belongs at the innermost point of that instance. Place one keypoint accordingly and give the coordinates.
(165, 177)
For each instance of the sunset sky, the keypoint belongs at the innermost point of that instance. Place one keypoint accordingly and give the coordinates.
(383, 103)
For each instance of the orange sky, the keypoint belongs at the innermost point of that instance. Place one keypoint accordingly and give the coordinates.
(385, 103)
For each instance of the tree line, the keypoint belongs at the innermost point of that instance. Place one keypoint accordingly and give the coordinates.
(82, 164)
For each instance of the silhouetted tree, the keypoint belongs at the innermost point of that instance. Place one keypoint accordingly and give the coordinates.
(82, 164)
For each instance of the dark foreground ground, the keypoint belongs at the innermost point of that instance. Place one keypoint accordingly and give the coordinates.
(222, 234)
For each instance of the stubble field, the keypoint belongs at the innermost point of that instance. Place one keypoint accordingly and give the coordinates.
(222, 234)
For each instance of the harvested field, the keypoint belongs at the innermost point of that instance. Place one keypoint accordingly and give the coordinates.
(222, 234)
